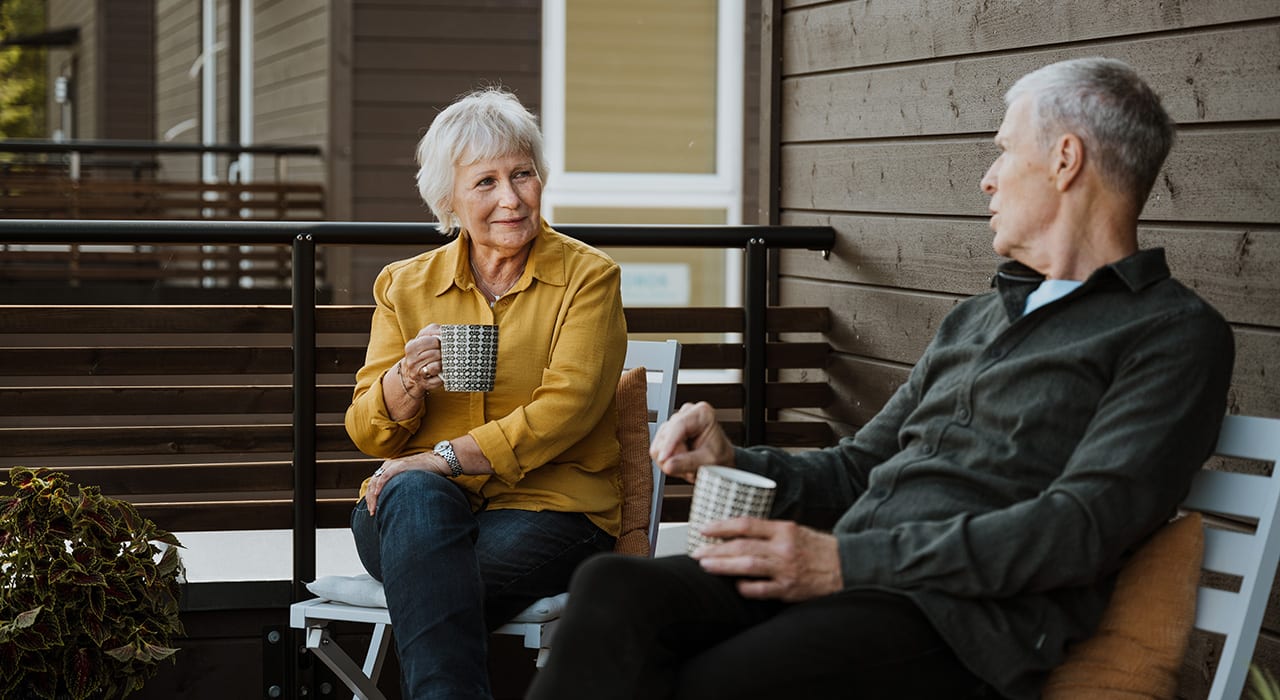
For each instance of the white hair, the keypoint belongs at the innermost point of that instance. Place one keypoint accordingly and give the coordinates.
(1113, 111)
(484, 124)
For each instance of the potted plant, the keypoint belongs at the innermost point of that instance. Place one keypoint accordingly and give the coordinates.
(88, 601)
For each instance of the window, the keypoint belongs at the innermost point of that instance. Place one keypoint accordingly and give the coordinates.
(642, 113)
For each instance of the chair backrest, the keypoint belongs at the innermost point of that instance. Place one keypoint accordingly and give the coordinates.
(1250, 556)
(661, 361)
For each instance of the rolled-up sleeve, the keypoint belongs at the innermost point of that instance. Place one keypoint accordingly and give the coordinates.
(368, 422)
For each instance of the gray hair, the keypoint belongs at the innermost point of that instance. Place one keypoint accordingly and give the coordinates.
(487, 123)
(1113, 111)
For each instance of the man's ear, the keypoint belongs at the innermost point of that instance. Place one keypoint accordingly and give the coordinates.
(1068, 160)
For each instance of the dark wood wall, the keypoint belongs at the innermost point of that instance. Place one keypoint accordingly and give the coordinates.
(394, 65)
(126, 65)
(887, 112)
(408, 60)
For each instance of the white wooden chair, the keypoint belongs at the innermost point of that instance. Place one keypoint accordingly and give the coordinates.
(1250, 556)
(537, 623)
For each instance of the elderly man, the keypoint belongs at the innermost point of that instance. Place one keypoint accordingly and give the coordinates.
(980, 518)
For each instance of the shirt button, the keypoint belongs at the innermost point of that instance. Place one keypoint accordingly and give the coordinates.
(963, 414)
(927, 449)
(997, 353)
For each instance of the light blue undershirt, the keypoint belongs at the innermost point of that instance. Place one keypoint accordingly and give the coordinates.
(1049, 291)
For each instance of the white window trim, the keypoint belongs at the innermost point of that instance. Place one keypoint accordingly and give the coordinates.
(721, 190)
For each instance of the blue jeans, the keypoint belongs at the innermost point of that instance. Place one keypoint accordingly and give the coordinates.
(451, 576)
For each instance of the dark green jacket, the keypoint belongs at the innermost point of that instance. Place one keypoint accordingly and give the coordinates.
(1025, 458)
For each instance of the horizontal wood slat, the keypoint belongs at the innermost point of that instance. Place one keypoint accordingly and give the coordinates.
(147, 319)
(941, 177)
(61, 197)
(167, 255)
(777, 355)
(162, 400)
(161, 440)
(207, 391)
(354, 319)
(272, 514)
(178, 361)
(219, 477)
(145, 361)
(777, 394)
(786, 433)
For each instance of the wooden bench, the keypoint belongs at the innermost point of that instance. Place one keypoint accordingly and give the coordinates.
(186, 411)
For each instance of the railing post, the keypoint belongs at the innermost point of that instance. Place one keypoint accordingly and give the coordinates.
(304, 446)
(756, 281)
(304, 411)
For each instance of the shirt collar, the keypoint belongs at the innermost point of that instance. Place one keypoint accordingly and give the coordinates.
(1140, 270)
(546, 262)
(1137, 272)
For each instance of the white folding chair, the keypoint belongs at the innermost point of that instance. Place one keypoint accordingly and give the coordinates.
(537, 623)
(1250, 556)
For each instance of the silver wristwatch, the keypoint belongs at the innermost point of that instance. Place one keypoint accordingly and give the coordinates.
(444, 448)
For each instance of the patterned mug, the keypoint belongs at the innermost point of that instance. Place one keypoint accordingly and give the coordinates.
(469, 356)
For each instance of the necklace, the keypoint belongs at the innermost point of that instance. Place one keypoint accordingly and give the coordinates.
(484, 288)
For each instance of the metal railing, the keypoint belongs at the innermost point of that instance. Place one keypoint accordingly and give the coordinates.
(303, 237)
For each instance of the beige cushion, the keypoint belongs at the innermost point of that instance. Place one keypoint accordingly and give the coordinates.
(637, 472)
(1138, 648)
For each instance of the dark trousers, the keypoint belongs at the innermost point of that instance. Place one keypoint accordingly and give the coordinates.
(664, 628)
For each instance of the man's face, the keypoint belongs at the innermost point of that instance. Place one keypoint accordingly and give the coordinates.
(1021, 185)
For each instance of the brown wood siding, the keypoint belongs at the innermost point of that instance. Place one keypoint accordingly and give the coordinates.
(126, 60)
(291, 84)
(409, 60)
(177, 91)
(886, 120)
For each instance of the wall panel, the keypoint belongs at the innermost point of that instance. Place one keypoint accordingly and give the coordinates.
(886, 119)
(852, 34)
(1206, 77)
(1231, 266)
(397, 63)
(291, 100)
(409, 60)
(1212, 175)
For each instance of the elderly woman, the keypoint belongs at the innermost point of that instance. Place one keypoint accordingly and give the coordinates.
(486, 501)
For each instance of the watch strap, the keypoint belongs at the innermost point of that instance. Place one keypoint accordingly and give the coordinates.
(444, 448)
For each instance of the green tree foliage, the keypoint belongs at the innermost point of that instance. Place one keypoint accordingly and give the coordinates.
(23, 77)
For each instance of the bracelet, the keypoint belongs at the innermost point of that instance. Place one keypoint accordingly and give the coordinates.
(404, 385)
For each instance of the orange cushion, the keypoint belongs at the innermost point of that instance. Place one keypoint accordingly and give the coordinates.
(1138, 648)
(637, 472)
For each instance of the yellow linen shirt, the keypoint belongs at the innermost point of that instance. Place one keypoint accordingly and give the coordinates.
(548, 427)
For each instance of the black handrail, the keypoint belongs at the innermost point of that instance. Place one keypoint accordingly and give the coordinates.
(302, 237)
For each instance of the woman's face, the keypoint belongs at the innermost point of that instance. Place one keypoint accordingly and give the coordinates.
(499, 201)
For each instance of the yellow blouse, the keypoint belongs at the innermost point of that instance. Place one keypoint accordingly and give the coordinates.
(548, 426)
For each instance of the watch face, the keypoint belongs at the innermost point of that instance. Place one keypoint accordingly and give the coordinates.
(442, 446)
